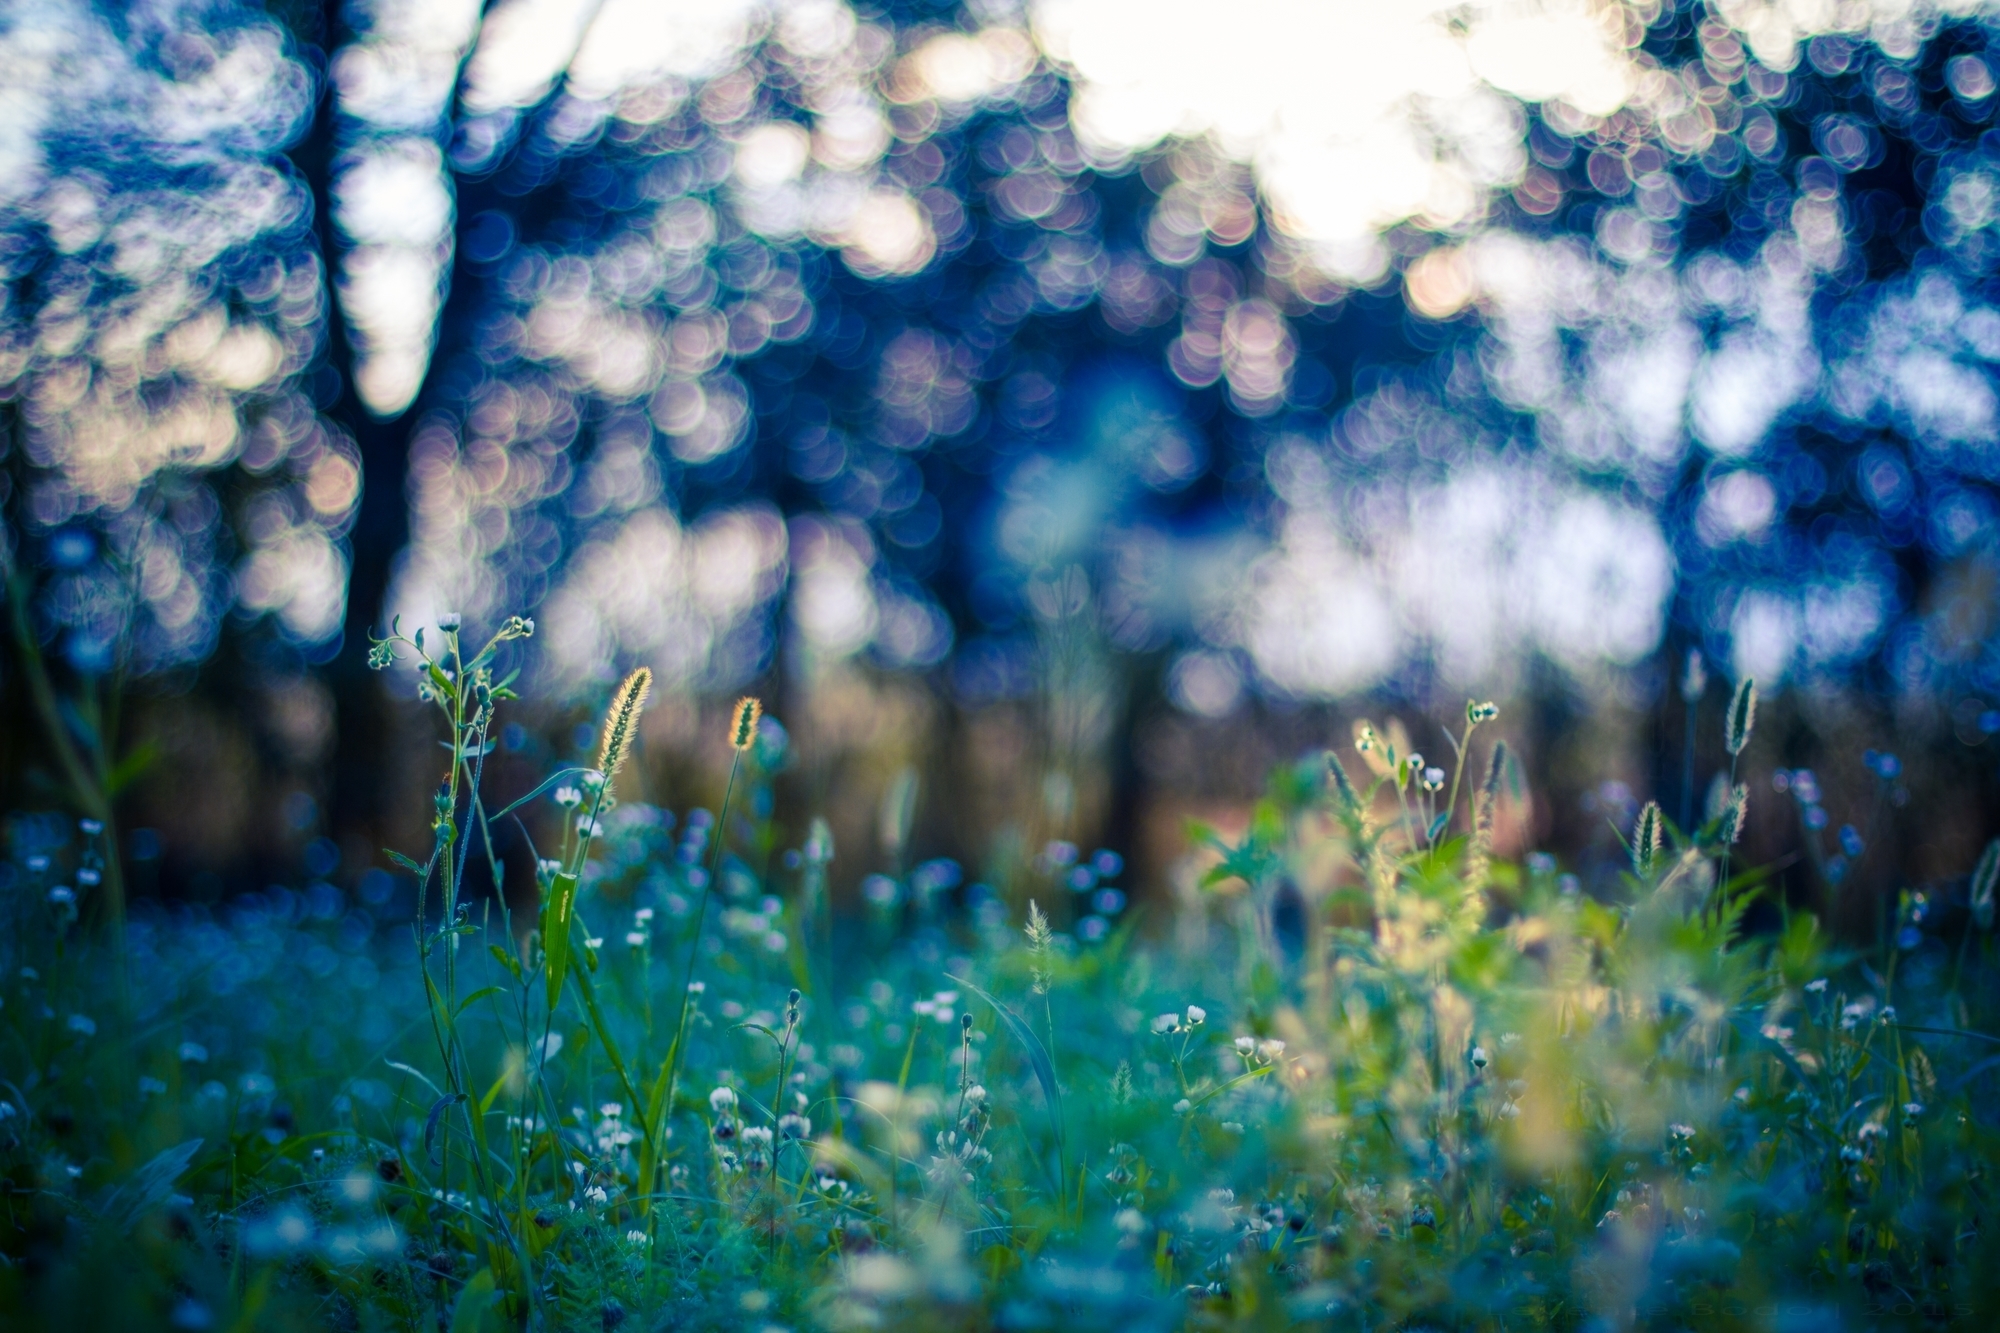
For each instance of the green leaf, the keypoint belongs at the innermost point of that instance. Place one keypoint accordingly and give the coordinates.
(404, 861)
(555, 933)
(475, 1303)
(507, 960)
(1038, 1055)
(415, 1073)
(477, 995)
(552, 780)
(131, 768)
(438, 1109)
(149, 1186)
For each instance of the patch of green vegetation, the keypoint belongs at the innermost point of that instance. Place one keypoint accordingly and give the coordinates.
(1441, 1091)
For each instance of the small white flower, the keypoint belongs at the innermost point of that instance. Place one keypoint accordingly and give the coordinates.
(722, 1099)
(1196, 1015)
(1270, 1050)
(1183, 1106)
(194, 1053)
(1167, 1023)
(1480, 1059)
(611, 1110)
(1245, 1045)
(1130, 1221)
(636, 938)
(80, 1023)
(595, 1194)
(642, 916)
(449, 621)
(1816, 986)
(635, 1238)
(568, 797)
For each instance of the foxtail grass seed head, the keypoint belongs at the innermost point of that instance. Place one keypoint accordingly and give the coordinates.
(621, 725)
(1735, 814)
(1343, 786)
(1647, 836)
(1985, 880)
(1489, 795)
(1694, 676)
(743, 723)
(1040, 939)
(1742, 717)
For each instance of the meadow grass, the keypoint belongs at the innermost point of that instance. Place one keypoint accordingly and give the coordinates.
(1381, 1079)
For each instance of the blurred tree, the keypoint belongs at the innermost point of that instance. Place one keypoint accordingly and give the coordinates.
(735, 338)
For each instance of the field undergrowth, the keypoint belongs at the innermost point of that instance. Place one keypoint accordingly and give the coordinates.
(1431, 1089)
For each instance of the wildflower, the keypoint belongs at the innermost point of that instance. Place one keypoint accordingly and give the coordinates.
(88, 878)
(1196, 1015)
(1183, 1106)
(518, 627)
(1130, 1221)
(1911, 1110)
(82, 1024)
(62, 896)
(1479, 1057)
(1742, 717)
(793, 1128)
(1888, 1015)
(1817, 986)
(1850, 840)
(743, 724)
(381, 655)
(1433, 779)
(193, 1052)
(721, 1100)
(1245, 1045)
(568, 798)
(449, 621)
(635, 1238)
(1680, 1131)
(1268, 1051)
(1478, 713)
(1424, 1216)
(595, 1194)
(611, 1110)
(90, 828)
(1167, 1024)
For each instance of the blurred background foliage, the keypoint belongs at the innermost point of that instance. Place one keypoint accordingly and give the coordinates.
(1058, 412)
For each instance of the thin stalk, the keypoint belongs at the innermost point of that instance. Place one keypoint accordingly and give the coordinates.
(694, 942)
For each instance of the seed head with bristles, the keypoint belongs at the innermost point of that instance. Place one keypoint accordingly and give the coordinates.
(1742, 717)
(1734, 814)
(1343, 787)
(1647, 836)
(1485, 807)
(1040, 940)
(621, 723)
(743, 723)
